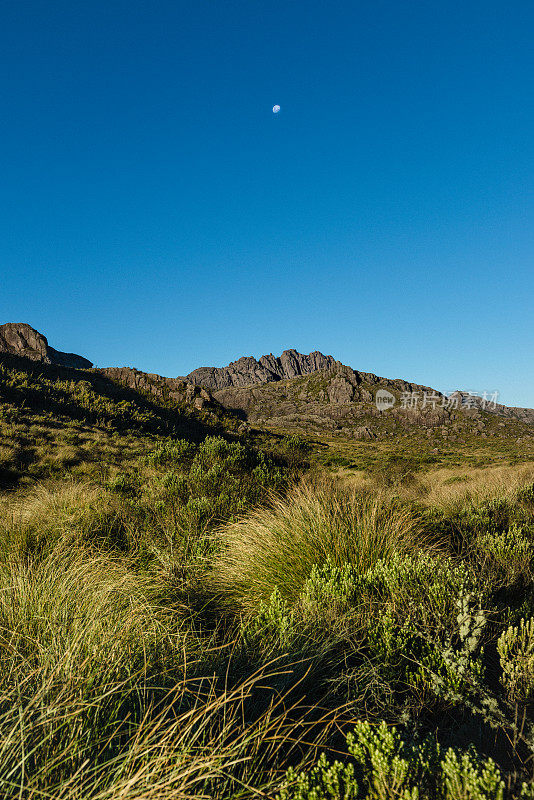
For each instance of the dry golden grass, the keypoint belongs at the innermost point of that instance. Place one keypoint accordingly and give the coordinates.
(446, 487)
(451, 487)
(74, 610)
(200, 753)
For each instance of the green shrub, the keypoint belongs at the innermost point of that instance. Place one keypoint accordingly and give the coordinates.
(170, 451)
(325, 781)
(272, 627)
(307, 624)
(516, 652)
(509, 555)
(328, 592)
(423, 628)
(471, 518)
(466, 778)
(385, 766)
(409, 661)
(420, 586)
(295, 443)
(125, 483)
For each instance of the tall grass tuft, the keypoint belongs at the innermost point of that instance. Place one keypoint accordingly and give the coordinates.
(84, 741)
(278, 546)
(70, 512)
(102, 694)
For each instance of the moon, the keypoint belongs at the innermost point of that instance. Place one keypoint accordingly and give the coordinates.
(276, 109)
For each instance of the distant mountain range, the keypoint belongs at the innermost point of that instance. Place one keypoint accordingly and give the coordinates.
(343, 385)
(311, 393)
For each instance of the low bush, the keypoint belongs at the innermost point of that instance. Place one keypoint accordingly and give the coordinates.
(385, 766)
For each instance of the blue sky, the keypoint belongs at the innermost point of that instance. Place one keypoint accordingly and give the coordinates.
(156, 213)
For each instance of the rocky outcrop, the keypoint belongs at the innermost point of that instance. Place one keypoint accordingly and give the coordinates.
(247, 371)
(337, 398)
(340, 401)
(20, 339)
(174, 389)
(365, 433)
(333, 385)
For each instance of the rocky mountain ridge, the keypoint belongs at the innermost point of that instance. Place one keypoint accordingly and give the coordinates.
(311, 392)
(342, 402)
(235, 387)
(247, 371)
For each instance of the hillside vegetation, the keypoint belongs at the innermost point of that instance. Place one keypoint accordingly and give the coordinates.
(191, 612)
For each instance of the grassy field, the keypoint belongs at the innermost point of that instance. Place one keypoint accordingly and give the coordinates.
(186, 613)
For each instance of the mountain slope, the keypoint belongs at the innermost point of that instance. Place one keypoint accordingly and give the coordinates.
(315, 393)
(341, 384)
(54, 418)
(341, 402)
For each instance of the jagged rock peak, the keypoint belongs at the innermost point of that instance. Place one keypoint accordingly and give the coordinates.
(20, 339)
(247, 371)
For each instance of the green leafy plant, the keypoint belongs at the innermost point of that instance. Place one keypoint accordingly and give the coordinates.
(386, 766)
(273, 625)
(516, 651)
(325, 781)
(510, 553)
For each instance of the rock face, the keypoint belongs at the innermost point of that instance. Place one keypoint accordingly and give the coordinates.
(20, 339)
(338, 398)
(176, 389)
(341, 402)
(247, 371)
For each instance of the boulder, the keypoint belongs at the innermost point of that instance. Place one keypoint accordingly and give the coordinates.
(20, 339)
